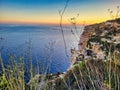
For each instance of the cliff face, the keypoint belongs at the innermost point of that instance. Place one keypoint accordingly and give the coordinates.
(98, 40)
(88, 31)
(99, 30)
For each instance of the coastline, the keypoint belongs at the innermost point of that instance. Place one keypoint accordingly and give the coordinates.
(84, 59)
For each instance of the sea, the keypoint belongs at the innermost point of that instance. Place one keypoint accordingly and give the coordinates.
(42, 44)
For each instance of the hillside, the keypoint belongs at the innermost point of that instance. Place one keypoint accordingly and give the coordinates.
(95, 66)
(101, 39)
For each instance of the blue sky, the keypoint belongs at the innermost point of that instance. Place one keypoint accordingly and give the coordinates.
(46, 11)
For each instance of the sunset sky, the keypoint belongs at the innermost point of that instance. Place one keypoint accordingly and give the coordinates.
(46, 11)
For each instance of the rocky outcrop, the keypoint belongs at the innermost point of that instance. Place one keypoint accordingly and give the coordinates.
(98, 39)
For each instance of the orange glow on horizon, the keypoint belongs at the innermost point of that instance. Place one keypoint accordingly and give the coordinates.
(65, 22)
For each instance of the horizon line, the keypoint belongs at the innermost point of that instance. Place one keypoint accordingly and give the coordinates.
(50, 23)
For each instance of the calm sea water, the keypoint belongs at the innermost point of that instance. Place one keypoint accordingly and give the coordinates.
(47, 44)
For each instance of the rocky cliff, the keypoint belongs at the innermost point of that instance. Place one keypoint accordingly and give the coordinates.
(100, 39)
(95, 66)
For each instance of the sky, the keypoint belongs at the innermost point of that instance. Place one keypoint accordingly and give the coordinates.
(47, 11)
